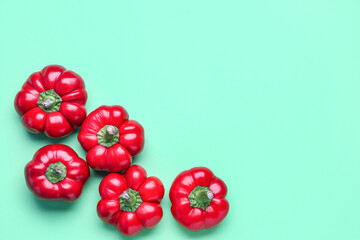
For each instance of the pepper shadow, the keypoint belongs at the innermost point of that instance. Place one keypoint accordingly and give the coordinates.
(108, 226)
(191, 234)
(52, 205)
(41, 137)
(111, 230)
(143, 234)
(103, 174)
(99, 174)
(137, 160)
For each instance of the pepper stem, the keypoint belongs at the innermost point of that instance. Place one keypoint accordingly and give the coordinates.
(48, 102)
(108, 136)
(109, 133)
(56, 172)
(130, 200)
(200, 197)
(210, 195)
(126, 195)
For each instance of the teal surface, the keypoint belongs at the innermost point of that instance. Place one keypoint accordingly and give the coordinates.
(264, 93)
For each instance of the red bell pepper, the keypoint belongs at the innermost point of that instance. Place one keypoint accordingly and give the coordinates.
(111, 139)
(56, 173)
(198, 199)
(52, 101)
(130, 201)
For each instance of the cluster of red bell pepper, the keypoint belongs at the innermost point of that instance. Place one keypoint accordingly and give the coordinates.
(53, 101)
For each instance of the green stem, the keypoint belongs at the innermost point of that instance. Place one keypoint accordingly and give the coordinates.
(56, 172)
(200, 197)
(49, 101)
(108, 136)
(130, 200)
(109, 133)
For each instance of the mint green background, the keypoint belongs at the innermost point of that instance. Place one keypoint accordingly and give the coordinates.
(264, 93)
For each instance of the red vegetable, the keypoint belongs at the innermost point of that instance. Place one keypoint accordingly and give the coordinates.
(198, 199)
(52, 101)
(111, 139)
(130, 201)
(56, 173)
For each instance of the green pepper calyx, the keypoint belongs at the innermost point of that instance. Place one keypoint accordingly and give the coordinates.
(56, 172)
(200, 197)
(130, 200)
(108, 136)
(49, 101)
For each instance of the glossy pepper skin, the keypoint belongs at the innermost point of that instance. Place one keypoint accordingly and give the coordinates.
(130, 201)
(198, 199)
(111, 139)
(56, 173)
(52, 101)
